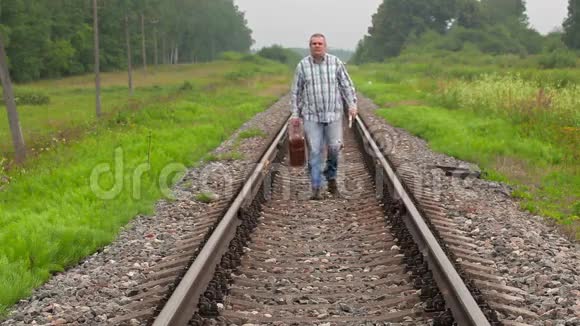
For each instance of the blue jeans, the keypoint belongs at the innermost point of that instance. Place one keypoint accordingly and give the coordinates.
(321, 136)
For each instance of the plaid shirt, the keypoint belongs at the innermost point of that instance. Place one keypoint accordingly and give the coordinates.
(319, 89)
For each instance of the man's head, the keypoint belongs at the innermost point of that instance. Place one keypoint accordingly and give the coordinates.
(317, 45)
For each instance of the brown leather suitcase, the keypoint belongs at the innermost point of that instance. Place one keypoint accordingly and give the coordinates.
(296, 144)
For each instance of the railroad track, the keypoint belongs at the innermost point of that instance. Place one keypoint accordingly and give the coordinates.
(312, 262)
(271, 256)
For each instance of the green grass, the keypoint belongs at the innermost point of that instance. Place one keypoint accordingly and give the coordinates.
(227, 156)
(250, 133)
(205, 197)
(544, 111)
(72, 199)
(471, 137)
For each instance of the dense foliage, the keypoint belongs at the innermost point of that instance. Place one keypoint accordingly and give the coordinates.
(281, 54)
(53, 38)
(487, 26)
(572, 25)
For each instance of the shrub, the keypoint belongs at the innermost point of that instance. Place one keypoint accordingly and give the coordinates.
(280, 54)
(186, 86)
(522, 101)
(559, 58)
(253, 59)
(31, 99)
(244, 72)
(231, 56)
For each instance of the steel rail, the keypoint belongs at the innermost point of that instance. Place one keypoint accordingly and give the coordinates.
(182, 304)
(457, 297)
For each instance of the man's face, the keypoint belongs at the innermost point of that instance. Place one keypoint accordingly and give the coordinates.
(317, 46)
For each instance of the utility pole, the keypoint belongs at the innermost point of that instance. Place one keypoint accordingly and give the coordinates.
(155, 50)
(143, 42)
(97, 59)
(129, 60)
(13, 120)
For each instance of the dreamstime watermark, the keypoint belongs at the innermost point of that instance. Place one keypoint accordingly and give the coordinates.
(109, 180)
(168, 176)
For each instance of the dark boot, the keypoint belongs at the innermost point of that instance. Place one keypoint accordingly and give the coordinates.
(316, 194)
(333, 188)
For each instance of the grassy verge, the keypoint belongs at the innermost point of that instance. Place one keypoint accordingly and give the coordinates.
(519, 131)
(72, 199)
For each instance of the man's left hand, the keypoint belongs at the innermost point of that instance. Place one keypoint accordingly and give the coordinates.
(353, 111)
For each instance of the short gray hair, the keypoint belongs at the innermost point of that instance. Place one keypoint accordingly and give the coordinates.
(317, 35)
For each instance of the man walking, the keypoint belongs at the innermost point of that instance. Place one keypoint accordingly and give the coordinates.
(321, 83)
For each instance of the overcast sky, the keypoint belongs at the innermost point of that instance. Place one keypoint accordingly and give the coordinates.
(291, 22)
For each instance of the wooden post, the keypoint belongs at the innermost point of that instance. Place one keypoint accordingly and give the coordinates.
(129, 59)
(155, 45)
(97, 59)
(143, 42)
(13, 120)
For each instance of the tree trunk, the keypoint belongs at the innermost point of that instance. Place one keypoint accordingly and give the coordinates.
(97, 60)
(164, 50)
(143, 42)
(129, 62)
(13, 120)
(155, 52)
(176, 60)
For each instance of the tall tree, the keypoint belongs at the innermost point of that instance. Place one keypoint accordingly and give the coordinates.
(572, 25)
(155, 45)
(470, 14)
(13, 120)
(143, 47)
(128, 8)
(26, 26)
(501, 11)
(97, 58)
(53, 38)
(129, 60)
(493, 26)
(396, 20)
